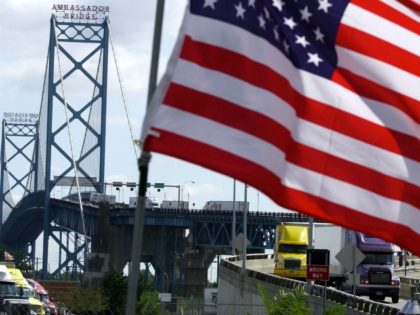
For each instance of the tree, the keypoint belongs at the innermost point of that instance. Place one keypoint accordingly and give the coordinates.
(114, 286)
(87, 300)
(148, 303)
(147, 297)
(20, 259)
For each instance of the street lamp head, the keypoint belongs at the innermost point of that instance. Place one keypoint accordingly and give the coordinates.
(182, 188)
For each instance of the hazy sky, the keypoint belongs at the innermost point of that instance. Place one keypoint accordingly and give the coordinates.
(24, 36)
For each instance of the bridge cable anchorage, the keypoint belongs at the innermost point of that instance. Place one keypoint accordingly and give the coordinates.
(122, 90)
(76, 175)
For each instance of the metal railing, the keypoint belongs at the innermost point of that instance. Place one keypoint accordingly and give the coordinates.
(339, 297)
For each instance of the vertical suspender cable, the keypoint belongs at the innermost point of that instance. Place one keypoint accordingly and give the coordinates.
(76, 175)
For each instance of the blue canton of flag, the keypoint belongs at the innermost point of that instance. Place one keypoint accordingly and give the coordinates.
(303, 30)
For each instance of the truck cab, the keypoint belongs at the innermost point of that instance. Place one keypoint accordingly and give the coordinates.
(25, 291)
(42, 295)
(377, 277)
(10, 302)
(290, 252)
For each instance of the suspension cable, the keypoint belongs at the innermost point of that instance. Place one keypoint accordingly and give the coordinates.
(76, 175)
(39, 152)
(122, 92)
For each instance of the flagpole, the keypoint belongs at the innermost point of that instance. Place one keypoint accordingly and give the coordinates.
(143, 164)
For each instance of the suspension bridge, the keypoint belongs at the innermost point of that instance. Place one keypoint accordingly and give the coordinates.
(62, 147)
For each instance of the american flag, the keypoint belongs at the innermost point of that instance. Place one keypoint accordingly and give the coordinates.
(314, 103)
(8, 256)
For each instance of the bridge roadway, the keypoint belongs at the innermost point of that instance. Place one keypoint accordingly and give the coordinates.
(179, 244)
(211, 228)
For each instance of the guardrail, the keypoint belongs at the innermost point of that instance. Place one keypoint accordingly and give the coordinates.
(350, 301)
(410, 281)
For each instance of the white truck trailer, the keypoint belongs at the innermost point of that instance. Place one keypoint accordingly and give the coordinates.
(225, 205)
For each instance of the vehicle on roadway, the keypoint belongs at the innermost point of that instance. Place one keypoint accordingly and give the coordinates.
(377, 277)
(10, 301)
(42, 295)
(24, 290)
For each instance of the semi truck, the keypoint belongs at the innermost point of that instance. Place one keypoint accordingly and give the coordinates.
(377, 277)
(24, 290)
(10, 301)
(42, 295)
(225, 205)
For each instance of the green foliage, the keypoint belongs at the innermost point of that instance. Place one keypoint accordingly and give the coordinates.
(20, 259)
(87, 300)
(293, 303)
(115, 291)
(336, 310)
(114, 286)
(148, 303)
(286, 302)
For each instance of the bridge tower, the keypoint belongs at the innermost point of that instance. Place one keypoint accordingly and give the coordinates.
(73, 116)
(18, 145)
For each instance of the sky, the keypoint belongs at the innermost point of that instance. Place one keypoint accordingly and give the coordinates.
(24, 36)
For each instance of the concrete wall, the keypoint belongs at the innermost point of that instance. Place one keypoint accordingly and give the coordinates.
(238, 294)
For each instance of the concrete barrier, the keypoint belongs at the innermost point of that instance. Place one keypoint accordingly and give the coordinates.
(238, 292)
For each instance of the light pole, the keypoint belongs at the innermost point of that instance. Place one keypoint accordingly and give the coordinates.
(182, 188)
(244, 228)
(234, 217)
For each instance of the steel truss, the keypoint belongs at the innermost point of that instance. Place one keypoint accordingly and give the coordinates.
(19, 137)
(95, 39)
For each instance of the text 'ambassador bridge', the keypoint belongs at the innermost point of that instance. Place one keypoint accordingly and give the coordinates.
(61, 151)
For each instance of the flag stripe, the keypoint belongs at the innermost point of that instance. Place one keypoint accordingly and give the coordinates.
(254, 149)
(224, 61)
(365, 21)
(389, 13)
(269, 183)
(224, 112)
(310, 85)
(412, 4)
(400, 7)
(355, 40)
(370, 89)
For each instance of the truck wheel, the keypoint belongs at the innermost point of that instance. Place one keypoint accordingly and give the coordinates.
(395, 299)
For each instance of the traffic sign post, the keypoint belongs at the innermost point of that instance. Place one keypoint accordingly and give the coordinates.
(318, 272)
(318, 268)
(350, 256)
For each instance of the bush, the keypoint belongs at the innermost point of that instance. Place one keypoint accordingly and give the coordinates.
(148, 303)
(293, 303)
(87, 300)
